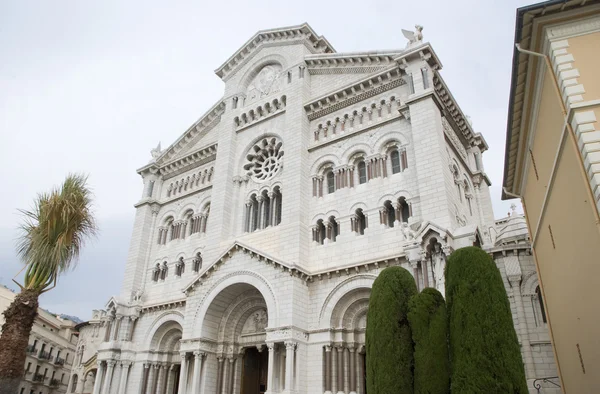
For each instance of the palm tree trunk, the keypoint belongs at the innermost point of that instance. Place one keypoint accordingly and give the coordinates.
(19, 319)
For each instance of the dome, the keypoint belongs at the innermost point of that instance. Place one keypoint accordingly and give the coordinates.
(514, 230)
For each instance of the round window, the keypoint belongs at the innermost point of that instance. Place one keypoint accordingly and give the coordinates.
(264, 159)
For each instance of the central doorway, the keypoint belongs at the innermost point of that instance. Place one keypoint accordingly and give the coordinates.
(254, 371)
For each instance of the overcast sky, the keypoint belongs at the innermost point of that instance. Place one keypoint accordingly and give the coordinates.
(92, 86)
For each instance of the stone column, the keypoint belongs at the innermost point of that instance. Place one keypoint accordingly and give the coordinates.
(124, 370)
(261, 212)
(162, 378)
(270, 388)
(151, 389)
(108, 378)
(352, 370)
(170, 379)
(272, 205)
(118, 321)
(415, 267)
(237, 375)
(340, 369)
(99, 377)
(290, 346)
(425, 272)
(228, 375)
(281, 364)
(219, 375)
(334, 369)
(523, 332)
(197, 370)
(327, 369)
(145, 373)
(130, 328)
(183, 374)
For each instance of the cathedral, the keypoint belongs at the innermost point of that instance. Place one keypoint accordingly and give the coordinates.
(260, 231)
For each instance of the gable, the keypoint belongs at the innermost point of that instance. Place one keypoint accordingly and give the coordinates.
(261, 257)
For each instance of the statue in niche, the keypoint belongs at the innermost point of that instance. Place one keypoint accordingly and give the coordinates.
(266, 82)
(260, 320)
(438, 261)
(413, 37)
(407, 232)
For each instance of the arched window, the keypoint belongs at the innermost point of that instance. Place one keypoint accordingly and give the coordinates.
(265, 220)
(540, 302)
(198, 262)
(405, 212)
(156, 272)
(360, 222)
(180, 267)
(320, 233)
(333, 228)
(164, 270)
(73, 384)
(254, 213)
(362, 172)
(390, 213)
(330, 182)
(277, 204)
(395, 158)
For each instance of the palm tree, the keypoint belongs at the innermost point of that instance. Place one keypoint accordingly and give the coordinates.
(53, 234)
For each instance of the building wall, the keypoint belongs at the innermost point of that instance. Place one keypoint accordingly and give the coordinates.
(562, 204)
(55, 335)
(568, 263)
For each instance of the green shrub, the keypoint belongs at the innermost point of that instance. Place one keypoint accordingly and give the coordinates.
(429, 325)
(388, 338)
(484, 351)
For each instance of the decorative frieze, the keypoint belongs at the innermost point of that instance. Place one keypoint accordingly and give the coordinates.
(260, 113)
(452, 109)
(349, 64)
(456, 142)
(355, 93)
(189, 162)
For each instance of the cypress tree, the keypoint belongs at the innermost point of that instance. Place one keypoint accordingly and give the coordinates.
(484, 350)
(388, 338)
(428, 321)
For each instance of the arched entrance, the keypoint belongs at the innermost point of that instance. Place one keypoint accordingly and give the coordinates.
(234, 323)
(161, 375)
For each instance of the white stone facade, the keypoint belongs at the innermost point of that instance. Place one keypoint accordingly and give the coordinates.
(262, 228)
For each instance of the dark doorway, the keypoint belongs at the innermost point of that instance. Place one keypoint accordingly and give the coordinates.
(254, 371)
(176, 383)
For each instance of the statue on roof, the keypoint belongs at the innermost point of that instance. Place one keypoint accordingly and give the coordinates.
(156, 152)
(413, 37)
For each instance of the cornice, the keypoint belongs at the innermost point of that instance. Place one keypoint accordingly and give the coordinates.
(164, 306)
(195, 159)
(355, 92)
(302, 33)
(452, 111)
(349, 63)
(205, 123)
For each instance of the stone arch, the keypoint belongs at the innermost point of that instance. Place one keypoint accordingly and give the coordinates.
(356, 206)
(392, 136)
(238, 312)
(236, 282)
(529, 283)
(254, 69)
(165, 216)
(186, 208)
(345, 309)
(322, 161)
(362, 281)
(160, 326)
(357, 148)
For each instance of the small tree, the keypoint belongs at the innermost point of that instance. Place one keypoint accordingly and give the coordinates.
(484, 350)
(429, 325)
(53, 234)
(388, 339)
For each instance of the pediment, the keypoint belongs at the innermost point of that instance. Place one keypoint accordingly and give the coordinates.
(259, 256)
(279, 36)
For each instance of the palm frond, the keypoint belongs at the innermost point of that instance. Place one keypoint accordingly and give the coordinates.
(55, 230)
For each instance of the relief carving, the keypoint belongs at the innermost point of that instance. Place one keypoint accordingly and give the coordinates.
(266, 82)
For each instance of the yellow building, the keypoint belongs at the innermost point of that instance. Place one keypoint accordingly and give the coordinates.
(553, 164)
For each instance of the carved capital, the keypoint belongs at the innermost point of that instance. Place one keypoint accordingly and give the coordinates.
(290, 344)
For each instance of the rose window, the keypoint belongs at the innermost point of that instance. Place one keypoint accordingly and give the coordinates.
(264, 159)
